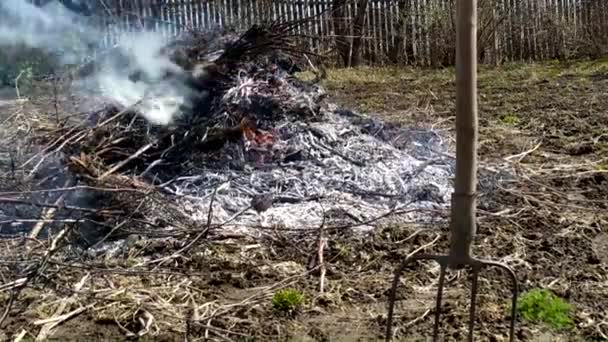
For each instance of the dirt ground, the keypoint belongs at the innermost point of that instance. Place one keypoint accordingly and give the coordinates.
(546, 123)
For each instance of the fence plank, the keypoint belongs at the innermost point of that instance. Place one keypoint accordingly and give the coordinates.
(604, 18)
(255, 11)
(194, 7)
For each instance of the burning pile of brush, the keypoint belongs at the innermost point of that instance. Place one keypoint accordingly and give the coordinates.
(223, 135)
(222, 101)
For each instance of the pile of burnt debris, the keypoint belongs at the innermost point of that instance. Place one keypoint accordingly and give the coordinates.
(254, 148)
(237, 87)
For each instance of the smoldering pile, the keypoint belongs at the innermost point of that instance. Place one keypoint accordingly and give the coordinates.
(254, 148)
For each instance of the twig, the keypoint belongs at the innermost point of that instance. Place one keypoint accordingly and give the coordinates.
(53, 322)
(121, 113)
(437, 237)
(150, 167)
(13, 284)
(48, 254)
(71, 188)
(319, 74)
(46, 205)
(17, 84)
(423, 247)
(124, 162)
(389, 213)
(127, 332)
(20, 336)
(210, 213)
(48, 214)
(339, 154)
(211, 327)
(321, 243)
(120, 225)
(600, 331)
(55, 99)
(411, 236)
(522, 155)
(58, 319)
(146, 324)
(40, 221)
(49, 146)
(414, 321)
(30, 176)
(54, 245)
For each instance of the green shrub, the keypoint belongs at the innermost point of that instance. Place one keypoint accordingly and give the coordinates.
(287, 300)
(541, 305)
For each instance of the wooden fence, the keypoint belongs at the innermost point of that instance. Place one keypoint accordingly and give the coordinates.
(419, 32)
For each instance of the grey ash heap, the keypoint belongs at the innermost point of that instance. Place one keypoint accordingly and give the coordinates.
(251, 148)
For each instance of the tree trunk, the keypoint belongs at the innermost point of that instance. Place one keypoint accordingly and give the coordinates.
(357, 33)
(339, 19)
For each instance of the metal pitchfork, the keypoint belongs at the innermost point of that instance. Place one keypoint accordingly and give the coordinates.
(463, 205)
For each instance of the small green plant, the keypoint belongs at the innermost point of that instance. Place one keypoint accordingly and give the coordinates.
(343, 250)
(287, 300)
(509, 119)
(541, 305)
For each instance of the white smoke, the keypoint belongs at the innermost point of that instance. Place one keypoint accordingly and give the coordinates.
(68, 36)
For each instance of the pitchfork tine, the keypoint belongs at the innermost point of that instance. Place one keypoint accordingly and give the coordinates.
(443, 262)
(442, 266)
(393, 292)
(514, 290)
(473, 297)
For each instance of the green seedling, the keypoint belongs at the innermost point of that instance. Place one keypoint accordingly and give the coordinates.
(541, 305)
(287, 300)
(509, 119)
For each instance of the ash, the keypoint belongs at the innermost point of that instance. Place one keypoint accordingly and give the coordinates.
(337, 168)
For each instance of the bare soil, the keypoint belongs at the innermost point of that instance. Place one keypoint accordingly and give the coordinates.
(546, 123)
